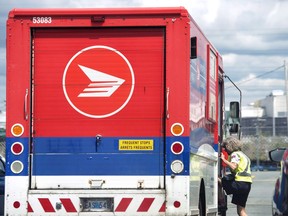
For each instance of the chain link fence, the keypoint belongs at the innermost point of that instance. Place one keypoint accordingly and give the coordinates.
(2, 146)
(257, 147)
(260, 135)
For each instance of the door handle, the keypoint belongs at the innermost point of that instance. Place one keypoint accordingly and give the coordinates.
(26, 105)
(98, 141)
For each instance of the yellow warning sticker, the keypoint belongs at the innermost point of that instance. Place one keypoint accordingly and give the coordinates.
(136, 145)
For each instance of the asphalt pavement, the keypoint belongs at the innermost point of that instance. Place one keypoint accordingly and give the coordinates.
(260, 198)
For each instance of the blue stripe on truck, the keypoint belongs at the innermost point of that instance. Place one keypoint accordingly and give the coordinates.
(83, 156)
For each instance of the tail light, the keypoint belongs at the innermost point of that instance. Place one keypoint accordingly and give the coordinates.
(17, 166)
(17, 130)
(177, 166)
(177, 129)
(17, 148)
(177, 148)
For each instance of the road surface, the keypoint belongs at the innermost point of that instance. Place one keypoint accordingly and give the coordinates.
(260, 198)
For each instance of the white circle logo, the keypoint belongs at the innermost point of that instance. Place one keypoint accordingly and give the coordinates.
(98, 81)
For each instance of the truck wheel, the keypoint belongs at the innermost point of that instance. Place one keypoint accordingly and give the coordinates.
(223, 213)
(202, 200)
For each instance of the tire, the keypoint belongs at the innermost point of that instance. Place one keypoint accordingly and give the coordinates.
(223, 213)
(202, 200)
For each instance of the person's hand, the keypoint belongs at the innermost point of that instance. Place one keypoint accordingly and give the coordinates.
(222, 156)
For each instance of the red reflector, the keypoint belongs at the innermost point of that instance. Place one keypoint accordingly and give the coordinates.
(16, 204)
(177, 204)
(177, 148)
(17, 148)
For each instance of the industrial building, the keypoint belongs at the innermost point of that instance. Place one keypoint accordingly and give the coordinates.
(267, 117)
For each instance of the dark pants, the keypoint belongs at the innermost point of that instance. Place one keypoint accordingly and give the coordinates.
(240, 191)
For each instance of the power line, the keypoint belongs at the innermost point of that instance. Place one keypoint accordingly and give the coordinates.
(261, 75)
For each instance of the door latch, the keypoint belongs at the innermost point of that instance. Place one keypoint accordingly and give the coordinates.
(98, 141)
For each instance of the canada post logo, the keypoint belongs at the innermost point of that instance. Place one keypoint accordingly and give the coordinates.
(98, 81)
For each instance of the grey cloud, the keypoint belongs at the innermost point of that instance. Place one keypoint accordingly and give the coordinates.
(252, 36)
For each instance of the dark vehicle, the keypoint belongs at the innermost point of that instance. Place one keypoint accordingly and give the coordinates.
(280, 196)
(271, 168)
(257, 168)
(2, 184)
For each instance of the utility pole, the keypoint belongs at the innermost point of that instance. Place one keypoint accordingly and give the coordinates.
(258, 142)
(286, 92)
(273, 116)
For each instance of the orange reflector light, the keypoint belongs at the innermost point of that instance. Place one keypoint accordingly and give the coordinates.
(177, 148)
(17, 166)
(17, 148)
(177, 129)
(17, 130)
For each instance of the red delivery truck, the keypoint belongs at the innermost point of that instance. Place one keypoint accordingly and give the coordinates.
(111, 112)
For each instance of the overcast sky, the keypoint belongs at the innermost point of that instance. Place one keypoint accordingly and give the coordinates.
(251, 35)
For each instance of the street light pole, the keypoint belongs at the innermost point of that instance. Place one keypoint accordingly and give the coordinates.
(286, 92)
(273, 115)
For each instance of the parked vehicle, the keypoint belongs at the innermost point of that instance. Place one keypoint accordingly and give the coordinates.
(280, 196)
(2, 184)
(257, 168)
(271, 168)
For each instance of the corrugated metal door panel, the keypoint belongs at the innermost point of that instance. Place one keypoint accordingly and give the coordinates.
(98, 106)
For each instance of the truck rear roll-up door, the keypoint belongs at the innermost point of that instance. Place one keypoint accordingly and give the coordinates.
(97, 108)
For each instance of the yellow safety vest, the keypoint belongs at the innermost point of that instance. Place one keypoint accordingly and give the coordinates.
(243, 172)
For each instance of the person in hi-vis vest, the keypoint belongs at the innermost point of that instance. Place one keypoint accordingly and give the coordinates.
(239, 183)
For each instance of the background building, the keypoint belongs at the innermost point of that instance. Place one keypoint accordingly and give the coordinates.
(2, 119)
(264, 127)
(267, 117)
